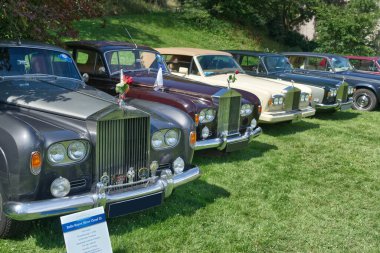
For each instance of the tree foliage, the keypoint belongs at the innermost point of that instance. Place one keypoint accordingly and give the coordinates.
(47, 20)
(349, 29)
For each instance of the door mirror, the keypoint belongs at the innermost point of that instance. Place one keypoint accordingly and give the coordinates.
(85, 77)
(183, 70)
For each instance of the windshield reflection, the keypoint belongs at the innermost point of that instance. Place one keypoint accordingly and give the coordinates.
(340, 64)
(134, 60)
(218, 64)
(22, 62)
(277, 63)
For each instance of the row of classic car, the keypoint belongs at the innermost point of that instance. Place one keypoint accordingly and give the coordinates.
(68, 144)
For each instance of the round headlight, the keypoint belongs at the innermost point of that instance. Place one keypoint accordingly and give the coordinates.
(205, 132)
(157, 139)
(202, 116)
(280, 100)
(178, 165)
(276, 101)
(56, 153)
(246, 110)
(171, 138)
(77, 150)
(253, 123)
(60, 187)
(210, 115)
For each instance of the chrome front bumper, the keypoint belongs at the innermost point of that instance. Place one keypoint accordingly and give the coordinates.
(60, 206)
(222, 142)
(336, 106)
(281, 116)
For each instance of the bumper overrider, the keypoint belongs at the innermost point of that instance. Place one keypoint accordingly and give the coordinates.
(337, 106)
(163, 184)
(223, 141)
(295, 115)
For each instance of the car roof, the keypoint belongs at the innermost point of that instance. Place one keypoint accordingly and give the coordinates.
(29, 44)
(103, 45)
(362, 57)
(252, 53)
(312, 54)
(190, 51)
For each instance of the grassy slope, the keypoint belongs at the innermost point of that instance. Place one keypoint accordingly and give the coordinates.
(307, 187)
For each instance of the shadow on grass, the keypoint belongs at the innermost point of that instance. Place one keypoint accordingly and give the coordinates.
(255, 149)
(184, 201)
(287, 128)
(339, 115)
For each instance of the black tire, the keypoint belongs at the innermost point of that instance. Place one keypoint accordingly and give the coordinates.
(364, 100)
(8, 227)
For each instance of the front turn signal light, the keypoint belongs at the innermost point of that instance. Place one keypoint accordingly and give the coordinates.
(193, 138)
(260, 109)
(196, 119)
(35, 163)
(270, 102)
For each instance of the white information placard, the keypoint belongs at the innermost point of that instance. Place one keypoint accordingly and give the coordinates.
(86, 232)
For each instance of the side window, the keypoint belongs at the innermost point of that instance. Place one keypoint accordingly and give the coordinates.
(250, 63)
(178, 62)
(194, 69)
(317, 63)
(355, 63)
(367, 65)
(85, 60)
(297, 62)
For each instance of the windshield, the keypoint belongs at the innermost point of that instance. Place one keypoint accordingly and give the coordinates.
(134, 60)
(22, 61)
(340, 64)
(218, 64)
(277, 63)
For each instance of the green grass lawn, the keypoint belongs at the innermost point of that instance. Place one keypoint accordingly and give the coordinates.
(312, 186)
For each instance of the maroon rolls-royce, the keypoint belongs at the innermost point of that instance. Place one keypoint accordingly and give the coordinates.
(226, 119)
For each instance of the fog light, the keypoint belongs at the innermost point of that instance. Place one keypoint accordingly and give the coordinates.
(254, 123)
(153, 168)
(60, 187)
(178, 165)
(205, 132)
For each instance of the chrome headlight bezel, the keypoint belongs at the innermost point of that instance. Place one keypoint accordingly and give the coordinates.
(332, 92)
(161, 139)
(304, 97)
(351, 90)
(65, 149)
(246, 110)
(278, 100)
(207, 115)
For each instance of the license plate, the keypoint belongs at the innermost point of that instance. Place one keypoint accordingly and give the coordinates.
(345, 107)
(297, 118)
(134, 205)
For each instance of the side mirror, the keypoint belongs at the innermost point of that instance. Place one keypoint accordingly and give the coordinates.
(86, 77)
(183, 70)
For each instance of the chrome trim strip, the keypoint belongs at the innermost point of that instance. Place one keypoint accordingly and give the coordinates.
(61, 206)
(222, 141)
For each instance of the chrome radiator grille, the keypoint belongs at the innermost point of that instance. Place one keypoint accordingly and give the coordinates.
(342, 92)
(229, 113)
(122, 144)
(292, 98)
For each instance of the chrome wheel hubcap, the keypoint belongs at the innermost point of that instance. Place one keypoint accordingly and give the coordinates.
(363, 101)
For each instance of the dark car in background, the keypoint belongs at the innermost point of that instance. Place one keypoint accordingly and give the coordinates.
(367, 94)
(66, 146)
(365, 63)
(327, 93)
(226, 118)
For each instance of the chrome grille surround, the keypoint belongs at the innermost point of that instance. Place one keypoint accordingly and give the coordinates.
(122, 147)
(342, 92)
(228, 115)
(292, 98)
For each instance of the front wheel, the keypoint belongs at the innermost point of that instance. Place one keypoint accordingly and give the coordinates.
(8, 227)
(364, 100)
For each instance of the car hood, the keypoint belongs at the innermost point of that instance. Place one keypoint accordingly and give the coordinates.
(360, 76)
(63, 96)
(311, 80)
(249, 83)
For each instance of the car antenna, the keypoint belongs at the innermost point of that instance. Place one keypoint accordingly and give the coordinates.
(130, 36)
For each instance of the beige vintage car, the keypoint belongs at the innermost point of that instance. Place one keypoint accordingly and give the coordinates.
(280, 100)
